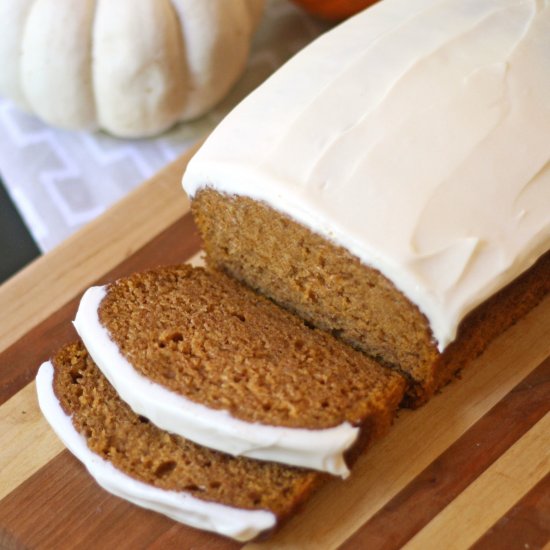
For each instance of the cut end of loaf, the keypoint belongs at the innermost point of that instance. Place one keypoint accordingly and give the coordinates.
(330, 288)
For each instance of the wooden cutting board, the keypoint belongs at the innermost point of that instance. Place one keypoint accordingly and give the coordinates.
(472, 467)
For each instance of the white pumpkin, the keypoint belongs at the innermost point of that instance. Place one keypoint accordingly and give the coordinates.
(131, 67)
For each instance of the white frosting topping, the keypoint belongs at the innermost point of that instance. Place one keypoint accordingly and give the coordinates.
(417, 136)
(232, 522)
(317, 449)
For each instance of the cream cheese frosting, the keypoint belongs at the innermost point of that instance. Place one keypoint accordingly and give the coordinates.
(232, 522)
(316, 449)
(415, 135)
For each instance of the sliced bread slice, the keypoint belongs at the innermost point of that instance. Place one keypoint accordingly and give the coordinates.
(201, 355)
(131, 458)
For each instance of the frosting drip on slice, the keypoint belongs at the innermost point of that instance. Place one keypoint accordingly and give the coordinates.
(317, 449)
(232, 522)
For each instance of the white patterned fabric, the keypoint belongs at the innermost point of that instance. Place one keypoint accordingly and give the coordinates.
(61, 180)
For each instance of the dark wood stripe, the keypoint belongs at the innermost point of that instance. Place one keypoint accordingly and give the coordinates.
(19, 362)
(467, 458)
(91, 518)
(525, 525)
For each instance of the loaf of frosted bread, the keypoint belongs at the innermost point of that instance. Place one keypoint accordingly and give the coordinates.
(391, 183)
(202, 356)
(131, 458)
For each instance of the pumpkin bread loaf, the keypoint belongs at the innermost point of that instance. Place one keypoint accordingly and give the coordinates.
(139, 450)
(329, 287)
(260, 374)
(377, 187)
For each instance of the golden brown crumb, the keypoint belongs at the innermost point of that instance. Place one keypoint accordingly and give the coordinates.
(138, 448)
(211, 339)
(326, 285)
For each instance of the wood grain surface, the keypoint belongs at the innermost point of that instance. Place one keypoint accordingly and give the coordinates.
(470, 468)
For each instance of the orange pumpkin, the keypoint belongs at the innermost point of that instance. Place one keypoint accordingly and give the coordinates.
(334, 10)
